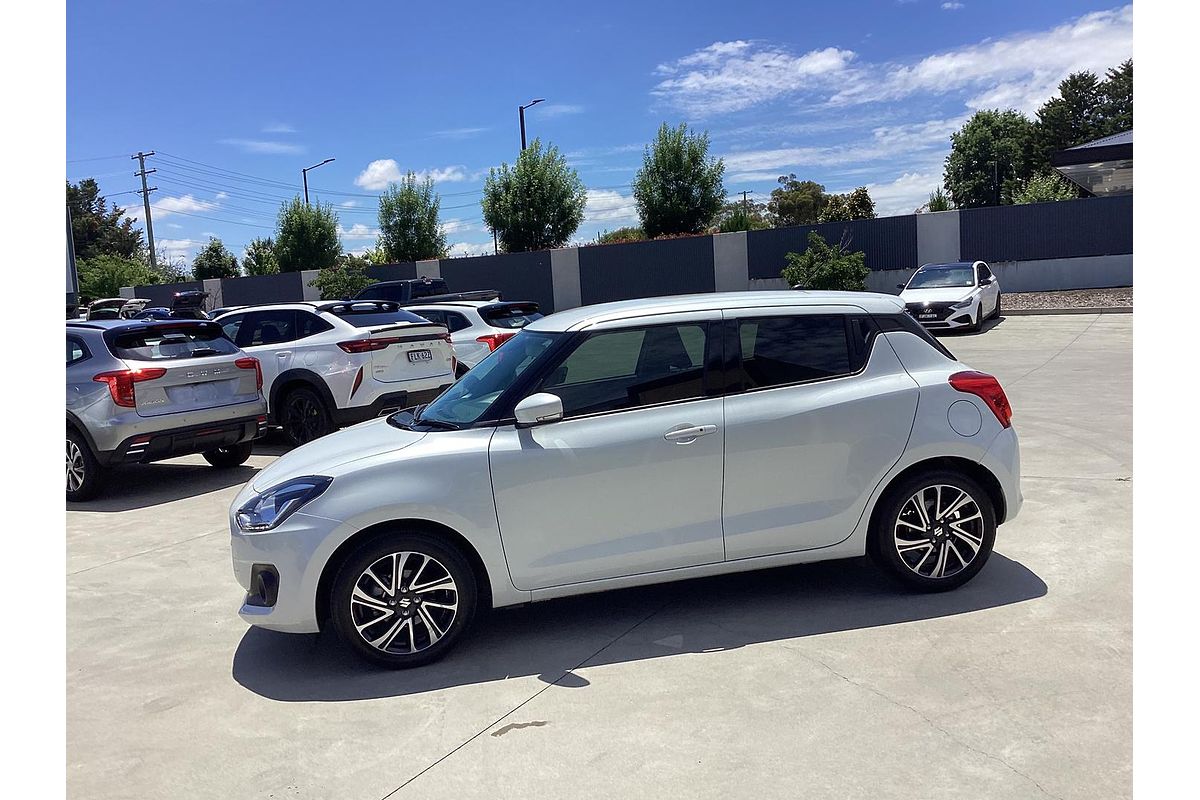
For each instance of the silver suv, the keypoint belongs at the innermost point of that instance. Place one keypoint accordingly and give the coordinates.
(145, 390)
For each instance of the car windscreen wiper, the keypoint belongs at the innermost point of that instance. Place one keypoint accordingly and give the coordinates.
(439, 423)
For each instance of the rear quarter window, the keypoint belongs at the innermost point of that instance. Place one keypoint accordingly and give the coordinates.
(170, 342)
(514, 316)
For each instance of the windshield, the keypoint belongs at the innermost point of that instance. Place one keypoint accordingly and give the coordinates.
(943, 277)
(467, 400)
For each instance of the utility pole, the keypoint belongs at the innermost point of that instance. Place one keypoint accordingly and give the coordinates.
(145, 193)
(746, 201)
(521, 114)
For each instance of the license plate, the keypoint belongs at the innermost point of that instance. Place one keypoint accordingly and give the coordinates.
(927, 315)
(415, 356)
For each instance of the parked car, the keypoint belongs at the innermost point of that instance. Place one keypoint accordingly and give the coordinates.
(184, 305)
(216, 312)
(425, 290)
(962, 294)
(477, 327)
(142, 391)
(105, 308)
(634, 443)
(133, 306)
(335, 363)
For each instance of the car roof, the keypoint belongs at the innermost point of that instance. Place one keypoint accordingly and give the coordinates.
(950, 264)
(309, 305)
(583, 316)
(130, 324)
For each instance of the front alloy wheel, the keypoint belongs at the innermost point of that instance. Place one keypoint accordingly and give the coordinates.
(403, 600)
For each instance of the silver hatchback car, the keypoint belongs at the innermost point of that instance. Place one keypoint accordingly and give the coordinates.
(145, 390)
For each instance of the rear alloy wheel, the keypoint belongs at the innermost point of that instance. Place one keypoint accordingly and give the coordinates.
(233, 456)
(403, 600)
(935, 531)
(996, 313)
(304, 416)
(85, 476)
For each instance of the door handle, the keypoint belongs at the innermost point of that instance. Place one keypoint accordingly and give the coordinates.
(689, 434)
(283, 354)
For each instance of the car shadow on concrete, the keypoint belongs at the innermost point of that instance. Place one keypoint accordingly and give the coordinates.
(551, 639)
(144, 485)
(957, 332)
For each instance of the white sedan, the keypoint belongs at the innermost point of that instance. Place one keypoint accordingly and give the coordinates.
(959, 295)
(633, 443)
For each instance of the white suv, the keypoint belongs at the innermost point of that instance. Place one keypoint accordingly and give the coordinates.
(478, 327)
(330, 364)
(634, 443)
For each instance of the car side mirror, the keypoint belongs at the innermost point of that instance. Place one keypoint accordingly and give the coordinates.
(538, 409)
(900, 286)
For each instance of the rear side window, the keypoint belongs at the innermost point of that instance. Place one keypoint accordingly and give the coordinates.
(631, 368)
(169, 342)
(267, 327)
(456, 322)
(423, 289)
(76, 351)
(904, 322)
(310, 324)
(515, 315)
(364, 315)
(781, 350)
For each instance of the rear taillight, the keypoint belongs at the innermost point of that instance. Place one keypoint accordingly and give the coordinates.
(250, 362)
(120, 383)
(494, 340)
(987, 389)
(367, 345)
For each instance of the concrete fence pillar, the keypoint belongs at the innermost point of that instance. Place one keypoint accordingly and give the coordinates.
(731, 262)
(128, 291)
(429, 269)
(215, 296)
(938, 238)
(564, 278)
(311, 293)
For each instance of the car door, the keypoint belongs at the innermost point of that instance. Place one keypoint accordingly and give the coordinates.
(268, 335)
(629, 481)
(991, 289)
(818, 410)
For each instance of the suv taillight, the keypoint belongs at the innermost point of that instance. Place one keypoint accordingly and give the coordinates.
(494, 340)
(987, 389)
(367, 345)
(120, 383)
(250, 362)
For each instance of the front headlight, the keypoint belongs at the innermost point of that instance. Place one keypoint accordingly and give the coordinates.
(963, 303)
(269, 509)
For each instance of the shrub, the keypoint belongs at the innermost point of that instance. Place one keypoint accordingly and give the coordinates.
(827, 267)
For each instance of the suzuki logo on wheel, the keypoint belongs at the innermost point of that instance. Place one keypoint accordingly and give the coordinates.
(404, 602)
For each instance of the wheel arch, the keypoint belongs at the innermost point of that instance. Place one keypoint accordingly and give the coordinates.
(290, 379)
(345, 549)
(973, 470)
(74, 423)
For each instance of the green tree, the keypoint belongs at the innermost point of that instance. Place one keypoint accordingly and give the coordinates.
(346, 278)
(626, 234)
(1045, 187)
(742, 216)
(97, 228)
(826, 267)
(1116, 99)
(679, 189)
(537, 204)
(214, 261)
(842, 207)
(105, 275)
(306, 237)
(991, 154)
(408, 221)
(259, 258)
(796, 202)
(938, 201)
(1071, 117)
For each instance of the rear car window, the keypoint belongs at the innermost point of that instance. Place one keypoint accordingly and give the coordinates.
(515, 315)
(364, 315)
(782, 350)
(76, 350)
(905, 322)
(169, 342)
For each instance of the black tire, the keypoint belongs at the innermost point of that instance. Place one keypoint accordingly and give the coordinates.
(949, 546)
(426, 555)
(303, 416)
(996, 313)
(233, 456)
(85, 475)
(460, 369)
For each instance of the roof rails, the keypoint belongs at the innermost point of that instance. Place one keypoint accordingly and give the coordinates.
(348, 305)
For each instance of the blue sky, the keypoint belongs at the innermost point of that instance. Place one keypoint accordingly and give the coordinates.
(237, 97)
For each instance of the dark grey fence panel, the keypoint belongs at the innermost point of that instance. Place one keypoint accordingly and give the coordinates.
(1094, 226)
(252, 290)
(610, 272)
(404, 270)
(518, 276)
(163, 293)
(886, 243)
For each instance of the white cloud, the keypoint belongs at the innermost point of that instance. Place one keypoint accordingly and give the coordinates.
(558, 110)
(457, 227)
(606, 205)
(952, 6)
(278, 127)
(460, 249)
(357, 231)
(166, 206)
(460, 133)
(179, 248)
(264, 147)
(220, 195)
(381, 172)
(732, 76)
(905, 194)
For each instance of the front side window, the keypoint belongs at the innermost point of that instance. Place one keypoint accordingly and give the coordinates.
(267, 327)
(617, 370)
(984, 272)
(780, 350)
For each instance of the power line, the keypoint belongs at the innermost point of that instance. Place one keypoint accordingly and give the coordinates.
(96, 158)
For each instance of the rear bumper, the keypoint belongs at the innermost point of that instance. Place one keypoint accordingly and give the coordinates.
(1003, 459)
(146, 447)
(385, 403)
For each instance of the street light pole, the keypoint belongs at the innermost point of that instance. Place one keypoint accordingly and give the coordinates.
(304, 176)
(521, 114)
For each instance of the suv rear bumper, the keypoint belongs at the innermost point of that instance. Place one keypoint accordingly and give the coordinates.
(392, 401)
(146, 447)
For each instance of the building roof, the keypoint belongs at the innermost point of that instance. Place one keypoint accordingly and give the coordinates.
(1100, 167)
(1124, 137)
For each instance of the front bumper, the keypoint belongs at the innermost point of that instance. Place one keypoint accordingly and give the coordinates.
(143, 448)
(940, 316)
(284, 556)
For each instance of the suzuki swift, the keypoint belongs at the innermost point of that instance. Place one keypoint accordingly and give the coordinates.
(633, 443)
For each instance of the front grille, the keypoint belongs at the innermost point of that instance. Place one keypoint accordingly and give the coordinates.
(939, 311)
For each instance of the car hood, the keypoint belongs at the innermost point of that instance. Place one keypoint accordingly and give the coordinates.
(321, 456)
(944, 294)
